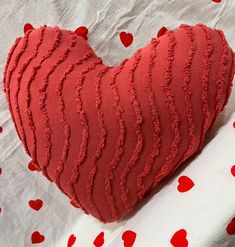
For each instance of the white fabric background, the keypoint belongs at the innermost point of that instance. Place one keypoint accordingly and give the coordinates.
(204, 211)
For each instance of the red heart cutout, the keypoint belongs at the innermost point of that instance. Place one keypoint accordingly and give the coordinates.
(99, 241)
(71, 240)
(37, 238)
(108, 135)
(27, 27)
(233, 170)
(179, 239)
(33, 167)
(128, 238)
(36, 204)
(185, 184)
(162, 31)
(231, 227)
(82, 32)
(126, 38)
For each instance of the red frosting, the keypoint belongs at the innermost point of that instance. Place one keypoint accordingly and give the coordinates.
(108, 135)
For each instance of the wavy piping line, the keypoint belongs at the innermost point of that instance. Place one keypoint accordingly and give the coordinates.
(67, 128)
(28, 98)
(139, 135)
(101, 144)
(175, 118)
(205, 83)
(222, 74)
(119, 149)
(9, 57)
(18, 82)
(7, 86)
(42, 103)
(230, 85)
(155, 122)
(85, 132)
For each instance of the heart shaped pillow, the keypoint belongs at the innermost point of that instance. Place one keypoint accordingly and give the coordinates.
(108, 135)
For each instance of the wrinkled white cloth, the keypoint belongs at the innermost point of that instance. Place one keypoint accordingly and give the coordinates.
(203, 212)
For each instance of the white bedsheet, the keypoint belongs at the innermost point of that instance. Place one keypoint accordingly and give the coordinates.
(204, 211)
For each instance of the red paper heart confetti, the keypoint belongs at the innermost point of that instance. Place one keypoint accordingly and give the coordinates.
(185, 184)
(231, 227)
(71, 240)
(27, 27)
(179, 239)
(99, 241)
(36, 204)
(126, 38)
(90, 127)
(82, 32)
(233, 170)
(128, 238)
(33, 167)
(162, 31)
(37, 238)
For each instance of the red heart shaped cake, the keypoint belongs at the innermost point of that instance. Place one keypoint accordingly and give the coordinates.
(108, 135)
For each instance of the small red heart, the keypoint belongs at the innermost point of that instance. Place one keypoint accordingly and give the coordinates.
(27, 27)
(128, 238)
(185, 184)
(33, 167)
(82, 31)
(162, 31)
(99, 241)
(217, 1)
(126, 38)
(179, 239)
(1, 129)
(37, 238)
(231, 227)
(233, 170)
(71, 240)
(36, 204)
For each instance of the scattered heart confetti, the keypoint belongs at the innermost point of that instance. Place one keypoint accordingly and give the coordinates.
(179, 239)
(233, 170)
(128, 238)
(71, 240)
(99, 241)
(82, 31)
(126, 38)
(1, 129)
(37, 238)
(185, 184)
(36, 204)
(231, 227)
(217, 1)
(33, 167)
(27, 27)
(162, 31)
